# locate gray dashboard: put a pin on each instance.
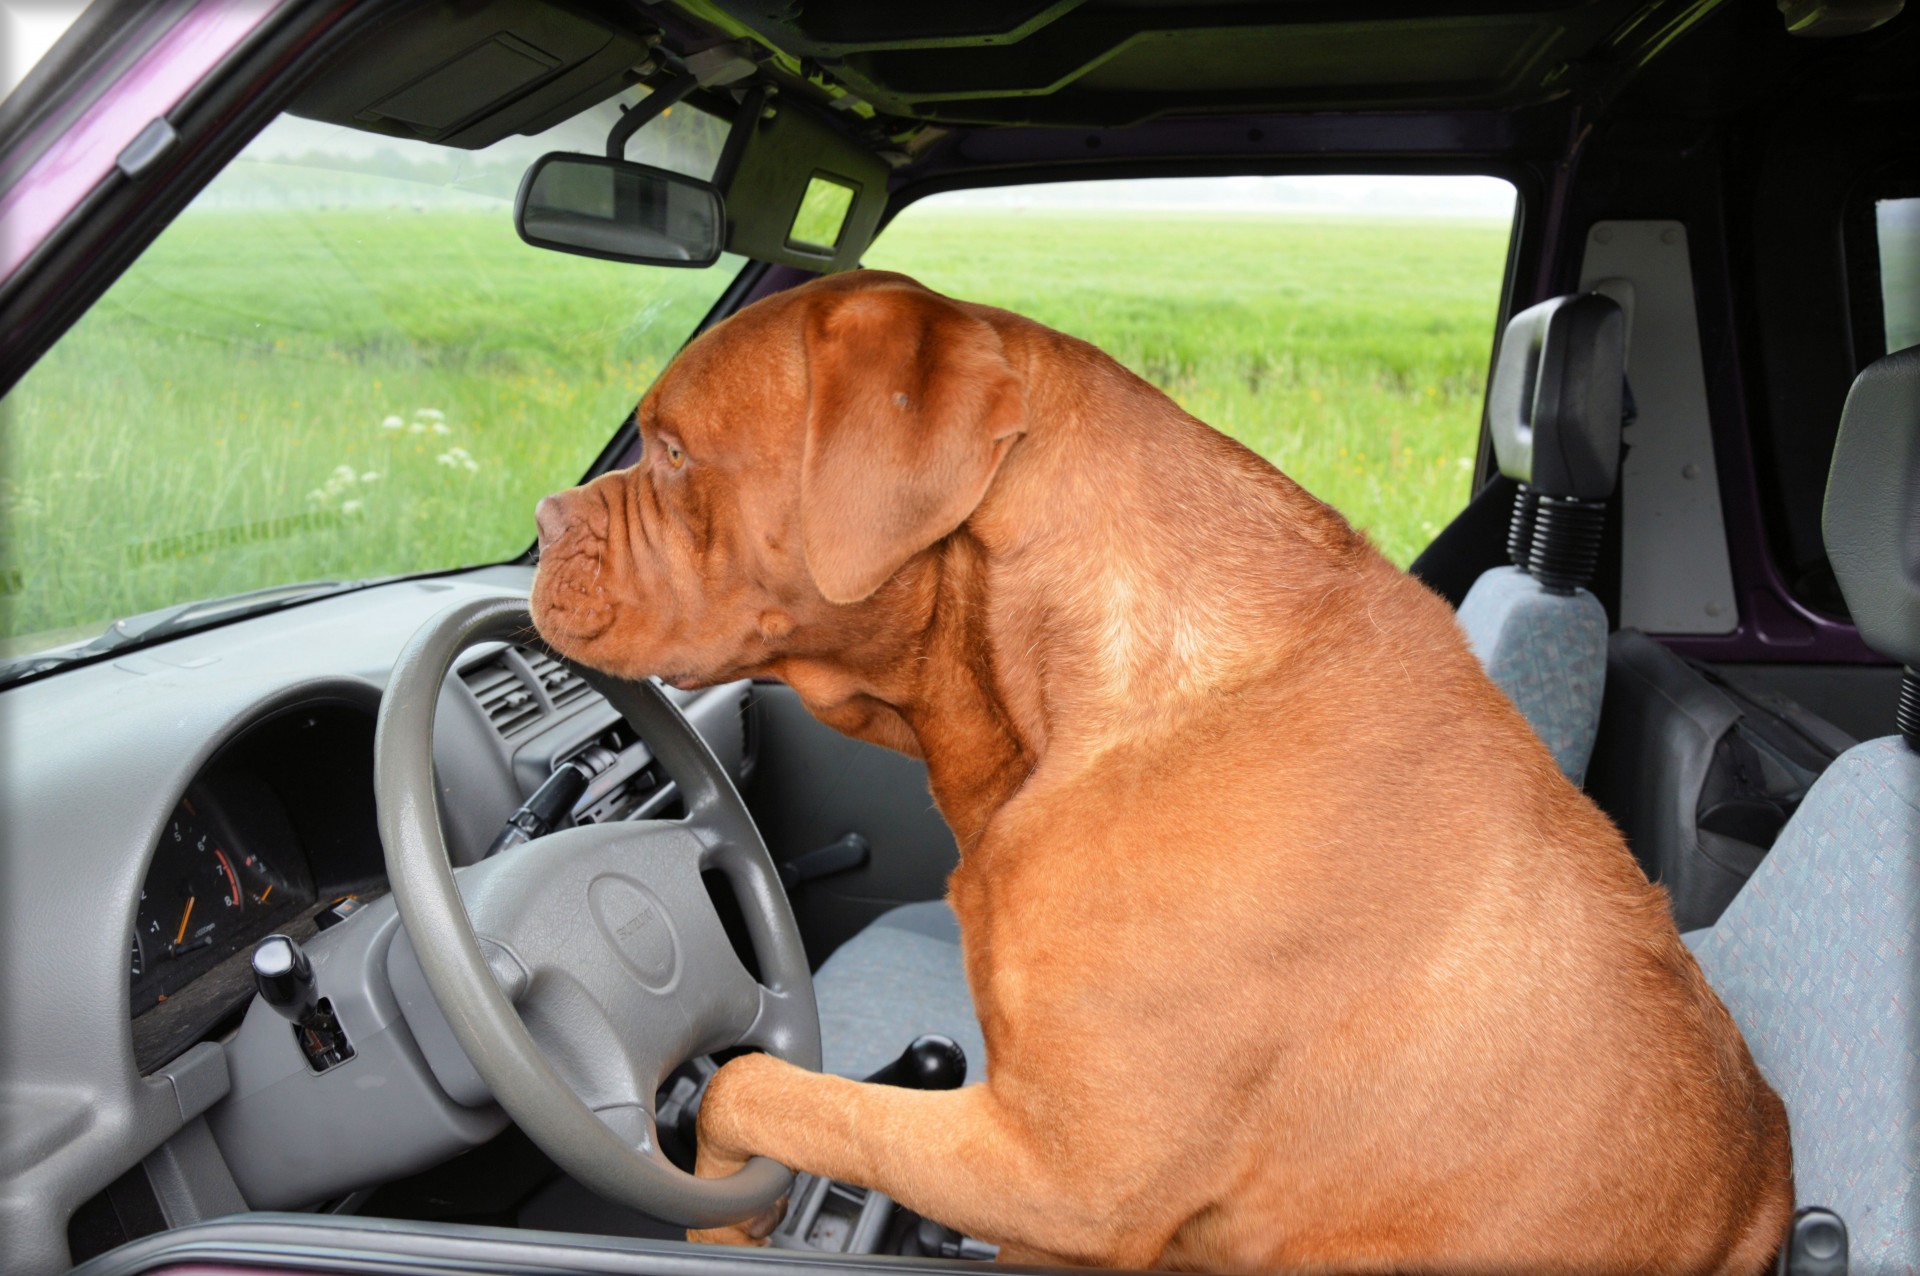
(95, 760)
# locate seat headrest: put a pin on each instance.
(1554, 407)
(1872, 515)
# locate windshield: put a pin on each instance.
(339, 362)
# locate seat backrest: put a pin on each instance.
(1815, 959)
(1817, 956)
(1548, 652)
(1554, 411)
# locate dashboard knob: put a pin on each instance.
(285, 978)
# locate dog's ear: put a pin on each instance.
(911, 406)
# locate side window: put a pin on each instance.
(1340, 327)
(1897, 230)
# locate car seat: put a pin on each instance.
(1815, 957)
(1554, 410)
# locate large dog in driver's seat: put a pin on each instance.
(1290, 943)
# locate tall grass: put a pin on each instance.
(272, 396)
(1352, 354)
(356, 393)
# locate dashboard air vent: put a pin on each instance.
(507, 701)
(563, 686)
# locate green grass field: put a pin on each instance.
(291, 395)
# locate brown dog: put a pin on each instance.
(1290, 944)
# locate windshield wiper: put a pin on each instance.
(149, 627)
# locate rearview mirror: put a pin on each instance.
(612, 209)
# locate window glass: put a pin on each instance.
(1341, 327)
(1897, 222)
(339, 362)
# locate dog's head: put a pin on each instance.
(793, 461)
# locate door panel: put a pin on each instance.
(811, 786)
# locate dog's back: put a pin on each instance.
(1405, 976)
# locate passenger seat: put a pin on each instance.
(1815, 956)
(1554, 410)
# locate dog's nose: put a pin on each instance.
(550, 519)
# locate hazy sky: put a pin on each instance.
(1398, 196)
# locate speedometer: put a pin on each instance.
(195, 896)
(208, 893)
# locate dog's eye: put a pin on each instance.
(675, 457)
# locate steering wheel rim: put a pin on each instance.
(614, 1151)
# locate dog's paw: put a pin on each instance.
(721, 1153)
(752, 1232)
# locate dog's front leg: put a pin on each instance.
(962, 1157)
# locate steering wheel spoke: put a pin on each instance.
(620, 966)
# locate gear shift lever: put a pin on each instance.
(284, 976)
(931, 1062)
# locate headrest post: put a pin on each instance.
(1520, 530)
(1906, 714)
(1566, 542)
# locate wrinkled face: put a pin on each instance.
(793, 460)
(677, 566)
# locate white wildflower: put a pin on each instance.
(416, 428)
(371, 476)
(344, 473)
(439, 428)
(446, 459)
(350, 507)
(430, 414)
(391, 423)
(471, 465)
(317, 496)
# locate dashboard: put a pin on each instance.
(168, 808)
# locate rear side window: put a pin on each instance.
(1339, 326)
(1897, 233)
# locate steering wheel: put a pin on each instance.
(604, 935)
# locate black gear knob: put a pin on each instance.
(285, 978)
(932, 1062)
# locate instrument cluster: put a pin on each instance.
(276, 833)
(209, 891)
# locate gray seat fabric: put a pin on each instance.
(899, 978)
(1815, 958)
(1548, 652)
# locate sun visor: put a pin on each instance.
(803, 194)
(469, 75)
